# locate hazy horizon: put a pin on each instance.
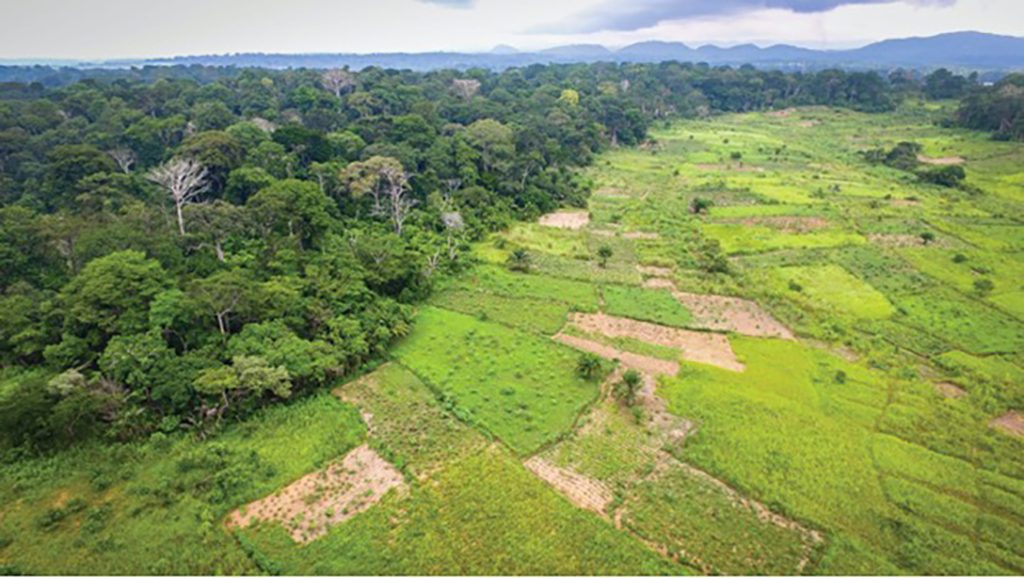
(93, 30)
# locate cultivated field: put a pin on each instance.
(824, 388)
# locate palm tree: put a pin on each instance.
(519, 260)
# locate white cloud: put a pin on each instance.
(131, 28)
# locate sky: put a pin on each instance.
(101, 29)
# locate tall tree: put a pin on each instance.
(184, 179)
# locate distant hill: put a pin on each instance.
(989, 53)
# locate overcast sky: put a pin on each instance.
(92, 29)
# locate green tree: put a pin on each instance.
(604, 253)
(588, 366)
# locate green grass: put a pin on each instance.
(836, 290)
(536, 315)
(501, 281)
(156, 508)
(485, 514)
(737, 239)
(975, 327)
(518, 386)
(654, 305)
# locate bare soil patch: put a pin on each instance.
(839, 349)
(950, 390)
(1012, 422)
(696, 346)
(659, 283)
(788, 224)
(782, 113)
(316, 501)
(808, 123)
(640, 235)
(566, 219)
(584, 491)
(906, 202)
(940, 160)
(628, 359)
(721, 313)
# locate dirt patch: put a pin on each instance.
(658, 283)
(313, 503)
(640, 235)
(652, 271)
(721, 313)
(1012, 422)
(781, 113)
(839, 349)
(628, 359)
(950, 390)
(566, 219)
(788, 224)
(698, 346)
(672, 428)
(808, 123)
(584, 491)
(940, 160)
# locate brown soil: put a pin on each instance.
(721, 313)
(313, 503)
(839, 349)
(788, 224)
(906, 202)
(940, 160)
(652, 271)
(950, 390)
(566, 219)
(696, 346)
(584, 491)
(671, 427)
(631, 360)
(1012, 422)
(658, 283)
(640, 235)
(782, 113)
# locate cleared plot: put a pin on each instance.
(581, 490)
(697, 346)
(557, 241)
(484, 515)
(655, 305)
(520, 387)
(720, 313)
(833, 287)
(316, 501)
(1011, 422)
(566, 219)
(637, 361)
(540, 316)
(757, 238)
(407, 423)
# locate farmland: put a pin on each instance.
(819, 374)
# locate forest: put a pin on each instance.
(182, 246)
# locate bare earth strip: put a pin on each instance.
(1012, 422)
(632, 360)
(950, 390)
(566, 220)
(584, 491)
(313, 503)
(940, 160)
(720, 313)
(653, 271)
(696, 346)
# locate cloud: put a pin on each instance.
(619, 15)
(451, 3)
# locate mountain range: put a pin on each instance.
(957, 50)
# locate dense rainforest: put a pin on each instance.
(181, 246)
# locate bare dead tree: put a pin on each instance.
(184, 179)
(466, 87)
(399, 203)
(124, 157)
(337, 80)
